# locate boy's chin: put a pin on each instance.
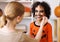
(39, 19)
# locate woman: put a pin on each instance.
(14, 12)
(41, 13)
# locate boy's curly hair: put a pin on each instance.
(44, 5)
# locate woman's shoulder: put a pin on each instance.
(20, 30)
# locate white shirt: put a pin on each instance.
(7, 36)
(16, 36)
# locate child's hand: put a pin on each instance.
(44, 21)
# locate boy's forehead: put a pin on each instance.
(39, 8)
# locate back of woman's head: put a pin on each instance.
(13, 9)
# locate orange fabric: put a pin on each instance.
(46, 34)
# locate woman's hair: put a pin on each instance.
(13, 9)
(1, 12)
(2, 19)
(46, 7)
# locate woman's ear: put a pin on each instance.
(19, 18)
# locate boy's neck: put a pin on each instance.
(37, 22)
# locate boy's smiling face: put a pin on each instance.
(39, 12)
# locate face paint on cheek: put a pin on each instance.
(41, 17)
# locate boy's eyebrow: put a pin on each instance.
(40, 10)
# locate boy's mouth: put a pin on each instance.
(39, 16)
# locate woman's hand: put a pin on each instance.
(44, 21)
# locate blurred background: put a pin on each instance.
(28, 17)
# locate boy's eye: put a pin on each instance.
(41, 11)
(36, 10)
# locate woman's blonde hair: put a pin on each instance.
(13, 9)
(2, 21)
(1, 12)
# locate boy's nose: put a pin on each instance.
(38, 13)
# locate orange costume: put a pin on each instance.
(46, 34)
